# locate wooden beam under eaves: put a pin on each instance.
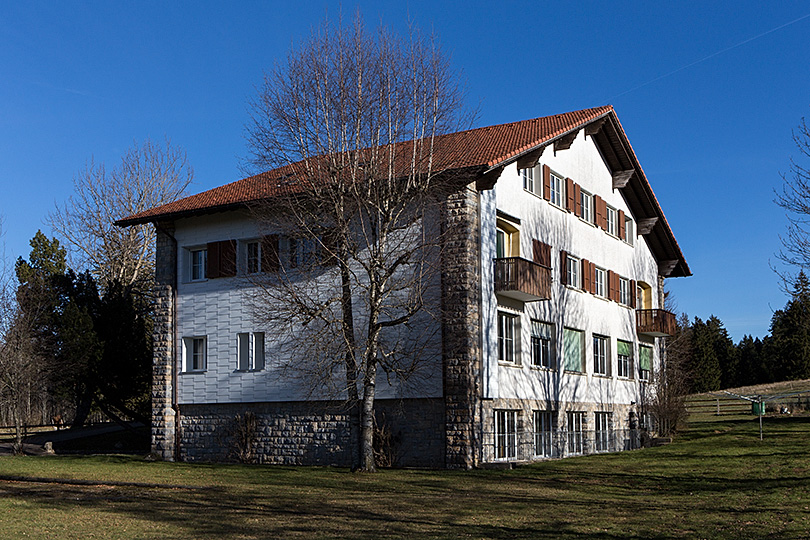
(530, 160)
(665, 268)
(487, 180)
(620, 178)
(594, 127)
(645, 225)
(565, 142)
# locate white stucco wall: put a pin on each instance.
(218, 310)
(568, 307)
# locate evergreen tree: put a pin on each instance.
(788, 349)
(705, 366)
(751, 362)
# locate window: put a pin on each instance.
(601, 364)
(612, 221)
(505, 434)
(507, 240)
(198, 263)
(573, 350)
(645, 356)
(624, 351)
(544, 433)
(586, 201)
(643, 295)
(507, 334)
(629, 234)
(624, 291)
(303, 252)
(576, 432)
(530, 183)
(250, 351)
(573, 268)
(542, 336)
(599, 277)
(253, 255)
(602, 431)
(194, 353)
(556, 195)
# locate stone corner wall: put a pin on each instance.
(461, 328)
(164, 422)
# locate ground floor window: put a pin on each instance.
(505, 434)
(544, 428)
(576, 432)
(194, 353)
(602, 431)
(542, 334)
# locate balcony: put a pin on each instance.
(522, 279)
(655, 322)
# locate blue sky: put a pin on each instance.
(708, 93)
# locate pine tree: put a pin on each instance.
(788, 349)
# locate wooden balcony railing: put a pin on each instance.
(522, 279)
(655, 322)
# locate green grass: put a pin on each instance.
(715, 481)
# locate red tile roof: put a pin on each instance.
(486, 147)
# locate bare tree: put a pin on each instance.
(795, 199)
(147, 176)
(351, 123)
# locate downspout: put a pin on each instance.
(480, 401)
(175, 392)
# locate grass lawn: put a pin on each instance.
(715, 481)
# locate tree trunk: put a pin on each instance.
(17, 447)
(367, 427)
(350, 363)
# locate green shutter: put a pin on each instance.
(624, 348)
(572, 350)
(645, 358)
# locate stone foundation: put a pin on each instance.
(313, 433)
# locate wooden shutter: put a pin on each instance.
(621, 224)
(586, 276)
(270, 259)
(221, 259)
(578, 200)
(546, 182)
(541, 253)
(611, 293)
(599, 211)
(633, 294)
(570, 201)
(212, 260)
(564, 267)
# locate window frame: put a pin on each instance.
(556, 195)
(531, 182)
(250, 351)
(603, 421)
(587, 213)
(611, 221)
(600, 282)
(575, 432)
(542, 346)
(195, 354)
(624, 368)
(645, 374)
(545, 424)
(569, 333)
(624, 291)
(601, 355)
(629, 234)
(253, 262)
(508, 345)
(505, 431)
(573, 271)
(198, 262)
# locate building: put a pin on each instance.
(554, 284)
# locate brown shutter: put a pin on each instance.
(270, 259)
(593, 278)
(586, 275)
(227, 260)
(541, 253)
(212, 268)
(600, 215)
(610, 292)
(570, 204)
(617, 293)
(564, 267)
(633, 293)
(621, 224)
(546, 182)
(578, 200)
